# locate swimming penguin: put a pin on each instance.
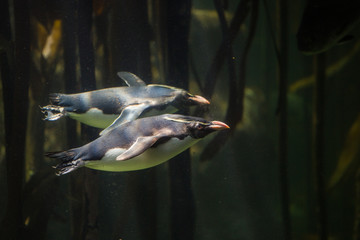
(139, 144)
(114, 106)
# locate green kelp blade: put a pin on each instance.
(348, 154)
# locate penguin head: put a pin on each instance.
(184, 98)
(198, 127)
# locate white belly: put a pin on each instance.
(150, 158)
(94, 117)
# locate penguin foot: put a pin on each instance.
(68, 163)
(52, 113)
(64, 168)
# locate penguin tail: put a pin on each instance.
(68, 164)
(56, 98)
(64, 100)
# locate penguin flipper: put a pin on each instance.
(140, 146)
(131, 79)
(128, 114)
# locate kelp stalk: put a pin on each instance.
(15, 90)
(318, 143)
(235, 109)
(87, 80)
(181, 196)
(240, 15)
(282, 115)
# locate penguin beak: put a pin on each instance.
(199, 99)
(217, 125)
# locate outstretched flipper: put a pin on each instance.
(52, 112)
(128, 114)
(68, 163)
(131, 79)
(140, 146)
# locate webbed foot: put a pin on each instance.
(52, 113)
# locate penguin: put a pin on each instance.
(139, 144)
(111, 107)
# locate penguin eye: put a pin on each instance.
(199, 126)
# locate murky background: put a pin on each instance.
(287, 169)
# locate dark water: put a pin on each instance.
(287, 169)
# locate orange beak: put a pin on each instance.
(199, 99)
(217, 125)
